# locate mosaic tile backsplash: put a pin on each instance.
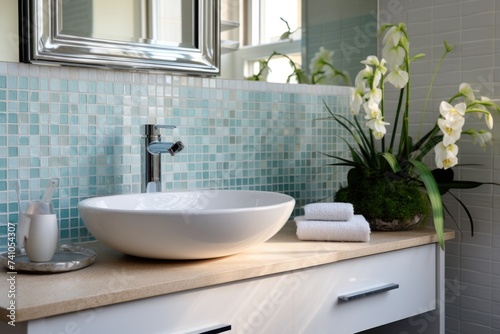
(82, 127)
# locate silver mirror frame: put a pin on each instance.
(40, 43)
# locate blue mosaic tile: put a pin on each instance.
(87, 135)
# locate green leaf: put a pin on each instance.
(468, 214)
(419, 56)
(339, 118)
(452, 218)
(445, 182)
(448, 47)
(396, 119)
(364, 147)
(354, 175)
(443, 177)
(355, 155)
(464, 184)
(342, 121)
(429, 145)
(393, 162)
(347, 162)
(364, 138)
(429, 134)
(286, 35)
(434, 197)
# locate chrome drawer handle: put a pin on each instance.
(213, 330)
(368, 292)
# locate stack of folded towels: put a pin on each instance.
(332, 222)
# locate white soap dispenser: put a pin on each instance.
(42, 228)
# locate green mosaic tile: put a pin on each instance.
(12, 82)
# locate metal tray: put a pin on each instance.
(68, 257)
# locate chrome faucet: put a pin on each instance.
(151, 149)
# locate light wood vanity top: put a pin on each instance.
(116, 278)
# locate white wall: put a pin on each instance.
(112, 19)
(472, 263)
(9, 36)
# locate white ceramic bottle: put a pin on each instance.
(43, 232)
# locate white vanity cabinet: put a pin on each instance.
(377, 289)
(281, 286)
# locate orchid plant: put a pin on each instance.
(321, 69)
(372, 156)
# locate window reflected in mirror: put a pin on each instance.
(282, 32)
(163, 22)
(264, 21)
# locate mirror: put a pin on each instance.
(348, 28)
(174, 35)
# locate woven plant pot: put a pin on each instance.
(377, 224)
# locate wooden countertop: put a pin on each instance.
(115, 278)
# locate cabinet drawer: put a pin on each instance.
(398, 285)
(260, 305)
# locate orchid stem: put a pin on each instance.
(394, 129)
(446, 51)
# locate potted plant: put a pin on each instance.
(390, 176)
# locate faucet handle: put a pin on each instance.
(160, 126)
(154, 129)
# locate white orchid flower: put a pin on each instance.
(393, 36)
(488, 104)
(397, 77)
(382, 66)
(481, 137)
(379, 65)
(452, 113)
(377, 68)
(378, 135)
(371, 60)
(446, 155)
(484, 106)
(377, 76)
(478, 114)
(451, 130)
(363, 75)
(453, 121)
(374, 95)
(372, 110)
(380, 70)
(328, 72)
(320, 58)
(484, 103)
(489, 120)
(466, 90)
(356, 100)
(445, 108)
(394, 55)
(377, 125)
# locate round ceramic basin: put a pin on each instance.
(186, 224)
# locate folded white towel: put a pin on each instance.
(329, 211)
(356, 229)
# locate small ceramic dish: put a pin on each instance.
(68, 257)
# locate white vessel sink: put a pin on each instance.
(186, 224)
